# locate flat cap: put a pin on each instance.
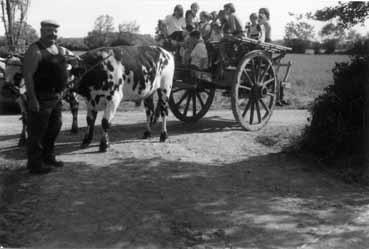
(50, 22)
(230, 6)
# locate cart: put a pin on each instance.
(251, 79)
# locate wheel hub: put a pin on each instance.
(258, 91)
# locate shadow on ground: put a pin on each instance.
(68, 142)
(272, 201)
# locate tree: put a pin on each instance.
(298, 34)
(104, 24)
(332, 35)
(345, 14)
(299, 29)
(126, 33)
(14, 13)
(131, 27)
(102, 32)
(28, 33)
(332, 31)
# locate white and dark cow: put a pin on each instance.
(110, 75)
(14, 82)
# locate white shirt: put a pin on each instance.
(199, 56)
(174, 24)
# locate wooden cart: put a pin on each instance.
(251, 78)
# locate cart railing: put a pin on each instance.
(266, 45)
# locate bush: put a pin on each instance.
(74, 44)
(359, 47)
(316, 46)
(330, 45)
(298, 46)
(339, 124)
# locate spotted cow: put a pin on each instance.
(112, 74)
(14, 83)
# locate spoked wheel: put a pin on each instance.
(254, 91)
(189, 103)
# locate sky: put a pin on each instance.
(77, 17)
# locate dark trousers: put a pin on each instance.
(43, 128)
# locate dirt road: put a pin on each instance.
(211, 185)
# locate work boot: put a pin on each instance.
(53, 162)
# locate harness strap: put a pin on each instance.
(78, 81)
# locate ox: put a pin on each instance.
(112, 74)
(14, 82)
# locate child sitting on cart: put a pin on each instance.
(264, 16)
(199, 54)
(253, 28)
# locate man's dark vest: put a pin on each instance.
(51, 75)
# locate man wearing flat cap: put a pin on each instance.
(45, 73)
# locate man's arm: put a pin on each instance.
(30, 64)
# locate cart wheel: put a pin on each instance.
(189, 103)
(254, 91)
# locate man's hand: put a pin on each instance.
(33, 105)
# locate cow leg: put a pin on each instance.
(149, 108)
(109, 113)
(104, 142)
(23, 136)
(73, 103)
(163, 111)
(22, 102)
(91, 118)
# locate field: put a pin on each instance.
(310, 74)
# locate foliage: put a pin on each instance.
(298, 46)
(14, 13)
(299, 29)
(97, 39)
(330, 45)
(340, 115)
(360, 46)
(28, 33)
(332, 31)
(339, 124)
(131, 27)
(101, 35)
(316, 46)
(94, 40)
(74, 44)
(104, 24)
(346, 14)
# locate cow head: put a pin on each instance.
(13, 71)
(13, 76)
(97, 67)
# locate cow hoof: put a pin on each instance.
(103, 146)
(163, 136)
(146, 135)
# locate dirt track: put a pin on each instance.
(211, 185)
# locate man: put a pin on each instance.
(45, 73)
(232, 25)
